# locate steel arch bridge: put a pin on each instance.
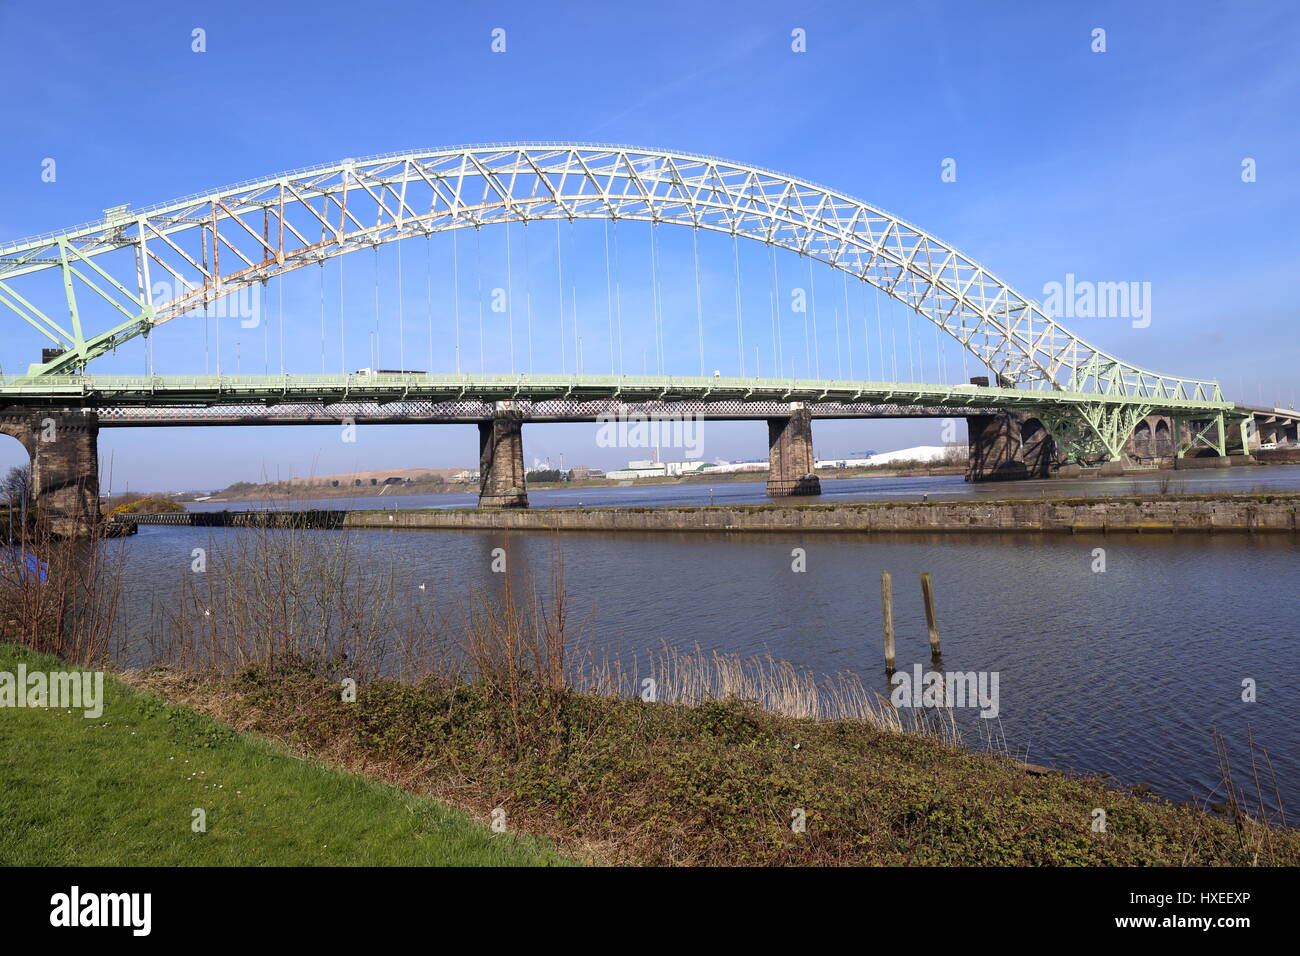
(216, 243)
(213, 244)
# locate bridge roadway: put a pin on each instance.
(1007, 427)
(562, 397)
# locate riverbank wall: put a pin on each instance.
(1142, 514)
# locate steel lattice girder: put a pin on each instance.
(92, 391)
(212, 244)
(1204, 432)
(464, 412)
(1090, 431)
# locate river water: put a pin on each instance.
(1124, 671)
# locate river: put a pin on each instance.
(1124, 671)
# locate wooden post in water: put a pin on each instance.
(927, 592)
(887, 618)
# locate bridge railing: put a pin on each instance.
(216, 389)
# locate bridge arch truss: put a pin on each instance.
(210, 245)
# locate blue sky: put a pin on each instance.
(1117, 166)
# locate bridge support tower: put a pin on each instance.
(501, 461)
(63, 445)
(790, 453)
(1008, 446)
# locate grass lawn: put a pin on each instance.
(121, 790)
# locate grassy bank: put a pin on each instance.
(507, 702)
(720, 782)
(121, 790)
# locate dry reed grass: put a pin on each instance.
(272, 597)
(60, 596)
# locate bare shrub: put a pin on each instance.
(61, 596)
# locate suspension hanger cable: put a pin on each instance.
(455, 288)
(920, 350)
(401, 311)
(577, 339)
(907, 316)
(322, 316)
(938, 355)
(528, 294)
(573, 290)
(777, 358)
(618, 299)
(559, 270)
(866, 325)
(699, 307)
(654, 303)
(839, 356)
(343, 358)
(848, 323)
(740, 325)
(376, 345)
(478, 271)
(428, 292)
(880, 339)
(510, 301)
(965, 368)
(609, 301)
(866, 335)
(655, 297)
(216, 328)
(809, 359)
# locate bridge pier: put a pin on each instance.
(790, 454)
(1153, 442)
(501, 461)
(1008, 446)
(63, 445)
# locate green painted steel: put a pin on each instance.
(209, 245)
(1112, 419)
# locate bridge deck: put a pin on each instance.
(418, 396)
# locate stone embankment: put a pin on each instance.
(1156, 514)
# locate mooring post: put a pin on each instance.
(927, 592)
(887, 618)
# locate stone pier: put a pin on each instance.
(790, 452)
(1153, 442)
(501, 461)
(63, 445)
(1008, 446)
